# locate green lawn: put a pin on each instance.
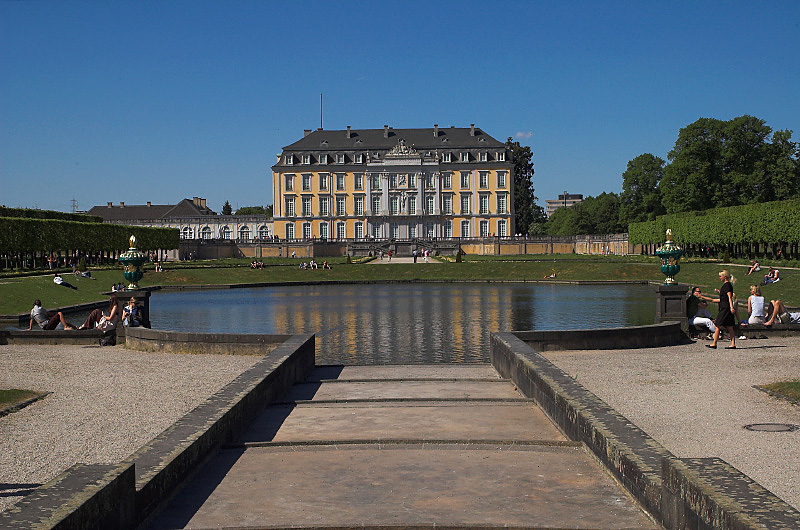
(17, 293)
(787, 389)
(14, 397)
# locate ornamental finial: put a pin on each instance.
(132, 241)
(669, 235)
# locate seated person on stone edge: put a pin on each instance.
(697, 310)
(777, 311)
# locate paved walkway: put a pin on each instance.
(403, 446)
(696, 401)
(402, 259)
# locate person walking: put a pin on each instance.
(725, 317)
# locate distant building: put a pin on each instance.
(394, 184)
(564, 200)
(192, 218)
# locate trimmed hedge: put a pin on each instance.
(769, 222)
(46, 235)
(48, 214)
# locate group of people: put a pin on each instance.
(728, 317)
(314, 265)
(424, 253)
(772, 276)
(130, 315)
(117, 287)
(255, 264)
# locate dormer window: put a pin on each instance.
(359, 159)
(306, 159)
(501, 156)
(340, 158)
(484, 157)
(323, 159)
(465, 157)
(288, 160)
(446, 157)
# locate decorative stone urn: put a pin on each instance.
(133, 260)
(670, 255)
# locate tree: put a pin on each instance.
(641, 194)
(526, 211)
(226, 208)
(595, 215)
(781, 168)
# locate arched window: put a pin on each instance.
(187, 232)
(263, 232)
(244, 232)
(225, 232)
(205, 232)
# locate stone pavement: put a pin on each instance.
(403, 446)
(403, 259)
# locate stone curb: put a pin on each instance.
(655, 335)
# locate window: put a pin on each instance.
(306, 159)
(501, 156)
(306, 182)
(501, 179)
(412, 206)
(306, 230)
(447, 205)
(289, 160)
(289, 230)
(340, 158)
(323, 230)
(359, 203)
(323, 159)
(483, 179)
(412, 180)
(465, 200)
(465, 157)
(393, 181)
(446, 157)
(225, 232)
(447, 229)
(394, 205)
(484, 228)
(244, 232)
(205, 233)
(429, 204)
(430, 230)
(263, 232)
(376, 181)
(376, 231)
(394, 230)
(359, 159)
(429, 181)
(323, 181)
(484, 206)
(340, 205)
(341, 230)
(412, 231)
(484, 157)
(289, 207)
(359, 181)
(340, 182)
(502, 204)
(376, 205)
(323, 207)
(464, 228)
(501, 228)
(306, 206)
(187, 233)
(447, 181)
(465, 180)
(289, 182)
(359, 230)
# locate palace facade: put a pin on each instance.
(394, 184)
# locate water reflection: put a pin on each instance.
(403, 323)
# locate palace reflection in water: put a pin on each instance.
(403, 323)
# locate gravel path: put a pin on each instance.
(695, 401)
(105, 404)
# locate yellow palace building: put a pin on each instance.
(394, 184)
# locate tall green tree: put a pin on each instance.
(227, 209)
(781, 168)
(641, 194)
(595, 215)
(526, 211)
(255, 210)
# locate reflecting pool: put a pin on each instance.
(403, 323)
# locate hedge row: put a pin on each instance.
(769, 222)
(48, 214)
(47, 235)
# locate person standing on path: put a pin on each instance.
(415, 255)
(725, 316)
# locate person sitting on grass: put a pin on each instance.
(774, 275)
(781, 314)
(754, 267)
(45, 321)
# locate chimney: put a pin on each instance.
(148, 204)
(348, 131)
(196, 201)
(121, 204)
(109, 205)
(306, 132)
(436, 130)
(386, 131)
(203, 203)
(472, 129)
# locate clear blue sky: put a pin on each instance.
(157, 101)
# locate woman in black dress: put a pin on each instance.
(725, 317)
